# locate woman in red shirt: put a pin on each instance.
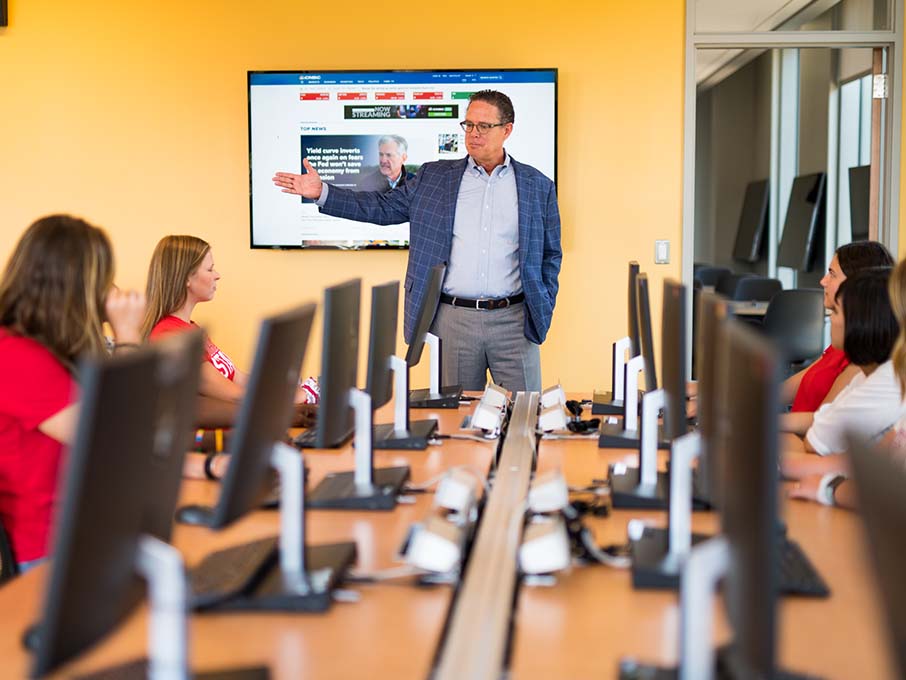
(181, 275)
(55, 295)
(823, 380)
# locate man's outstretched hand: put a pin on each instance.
(307, 186)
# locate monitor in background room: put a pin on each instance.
(803, 227)
(383, 366)
(93, 583)
(859, 201)
(341, 120)
(753, 222)
(437, 395)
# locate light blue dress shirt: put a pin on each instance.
(484, 259)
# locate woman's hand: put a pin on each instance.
(125, 312)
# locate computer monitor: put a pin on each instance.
(612, 402)
(712, 313)
(753, 222)
(265, 414)
(339, 363)
(880, 479)
(804, 223)
(859, 201)
(646, 336)
(93, 584)
(633, 311)
(177, 378)
(345, 409)
(383, 366)
(673, 358)
(437, 395)
(751, 377)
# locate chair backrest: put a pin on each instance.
(709, 276)
(757, 289)
(795, 321)
(8, 567)
(726, 284)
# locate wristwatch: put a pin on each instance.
(827, 486)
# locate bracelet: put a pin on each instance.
(209, 466)
(827, 486)
(199, 439)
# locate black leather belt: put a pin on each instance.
(498, 303)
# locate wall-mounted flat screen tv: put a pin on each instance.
(357, 128)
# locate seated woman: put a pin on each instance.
(55, 295)
(824, 479)
(824, 379)
(181, 275)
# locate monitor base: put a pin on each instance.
(447, 398)
(652, 566)
(327, 563)
(384, 436)
(139, 670)
(724, 670)
(338, 490)
(613, 436)
(625, 491)
(603, 404)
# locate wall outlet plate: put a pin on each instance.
(662, 252)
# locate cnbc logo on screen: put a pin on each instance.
(401, 111)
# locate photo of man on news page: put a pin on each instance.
(361, 162)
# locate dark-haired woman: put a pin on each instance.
(823, 380)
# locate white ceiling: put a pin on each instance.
(730, 16)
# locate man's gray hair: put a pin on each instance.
(401, 144)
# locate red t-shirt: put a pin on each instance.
(818, 380)
(33, 387)
(212, 353)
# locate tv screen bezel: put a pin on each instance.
(336, 246)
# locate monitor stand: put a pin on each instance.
(366, 487)
(641, 487)
(436, 396)
(162, 567)
(305, 576)
(658, 555)
(625, 435)
(611, 403)
(402, 433)
(705, 566)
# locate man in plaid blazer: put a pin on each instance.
(496, 224)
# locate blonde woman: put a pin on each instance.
(182, 275)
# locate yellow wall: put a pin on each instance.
(133, 115)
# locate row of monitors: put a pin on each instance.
(144, 404)
(804, 223)
(738, 469)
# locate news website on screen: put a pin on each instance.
(372, 131)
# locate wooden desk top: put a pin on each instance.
(395, 627)
(592, 618)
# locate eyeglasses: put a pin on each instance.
(483, 128)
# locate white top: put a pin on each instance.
(868, 405)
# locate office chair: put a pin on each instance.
(726, 284)
(709, 276)
(757, 289)
(8, 567)
(795, 322)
